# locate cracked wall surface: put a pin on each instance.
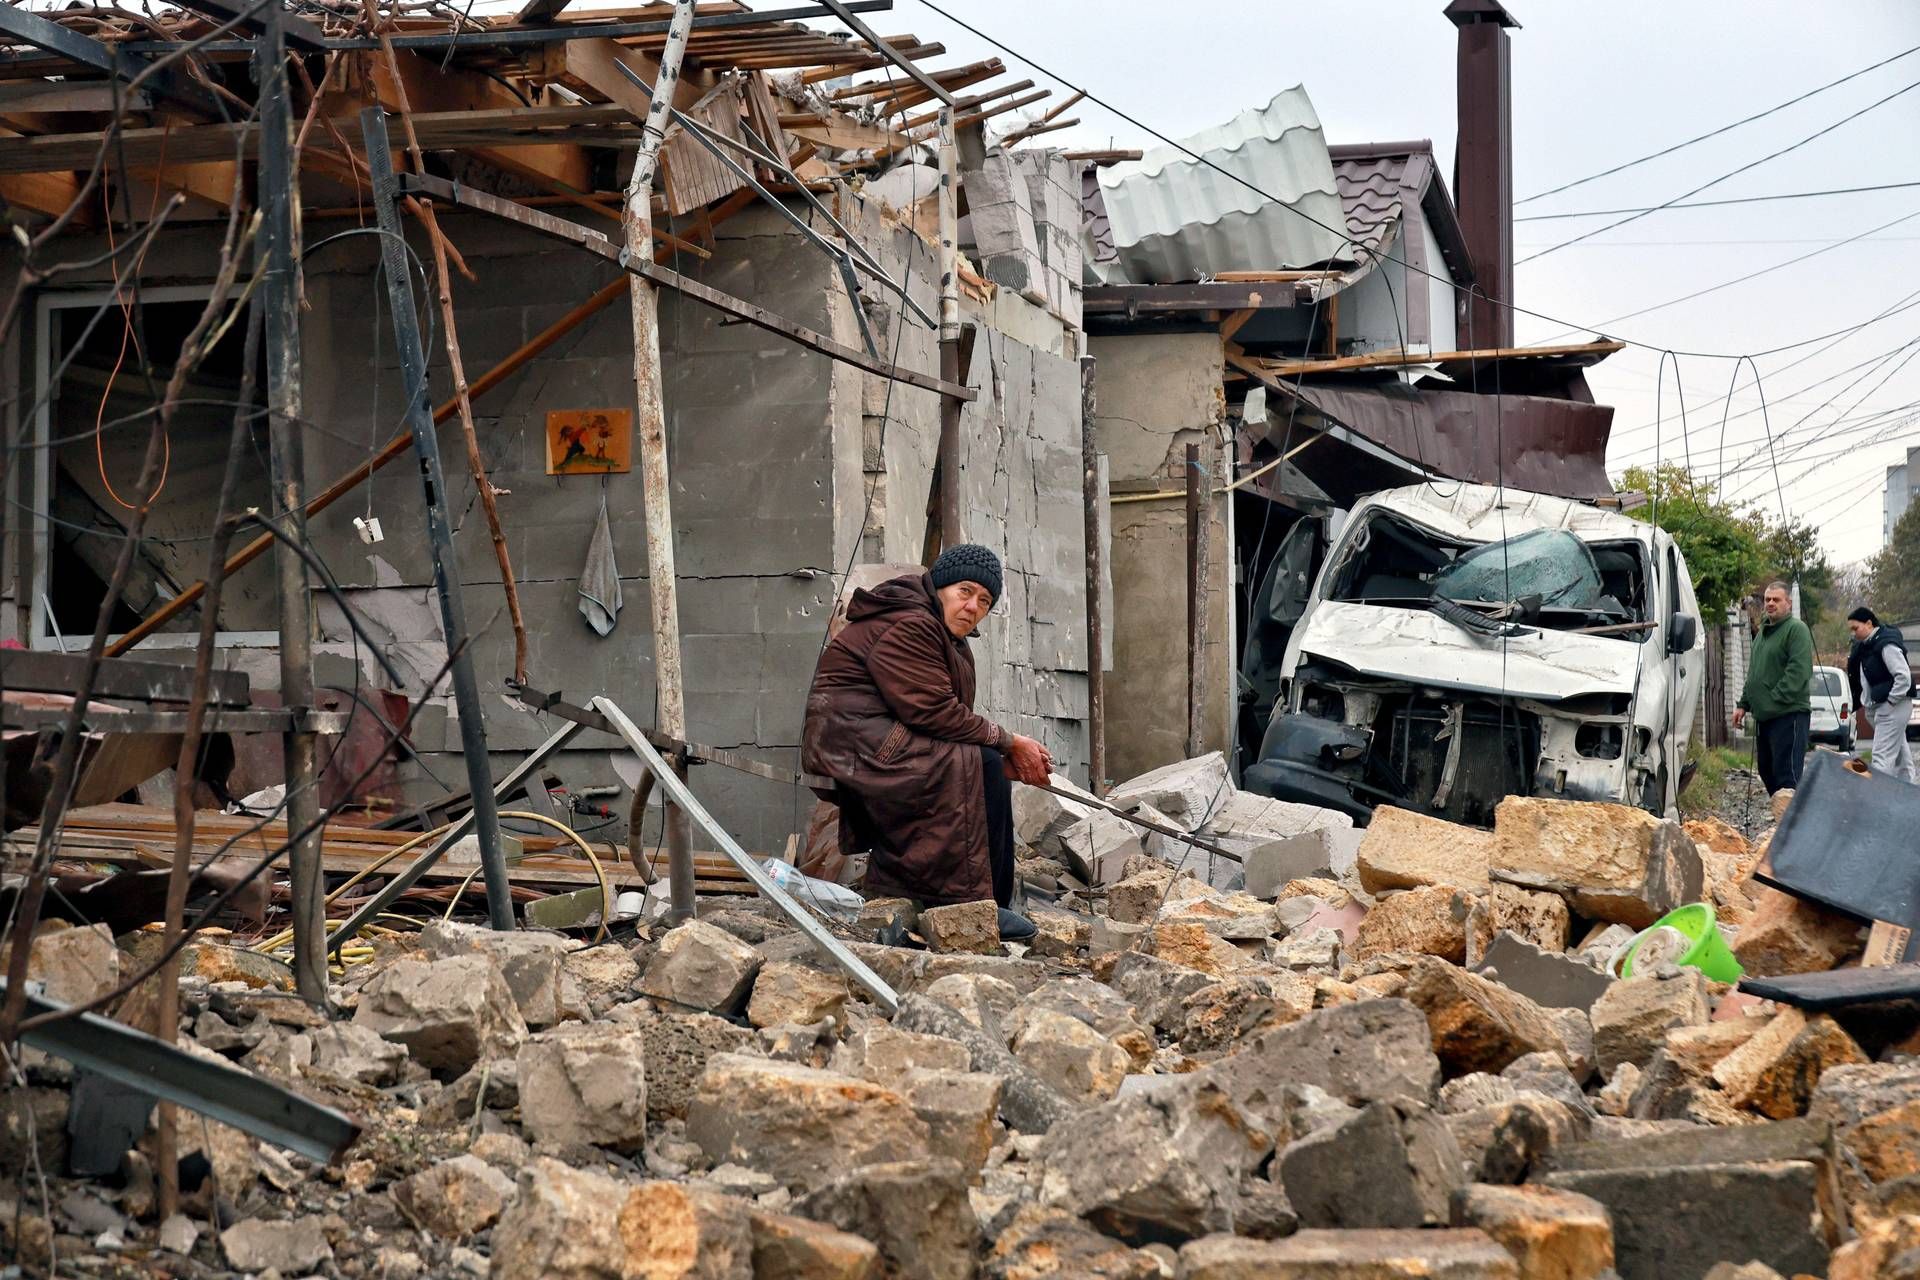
(1157, 394)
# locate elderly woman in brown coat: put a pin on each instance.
(921, 781)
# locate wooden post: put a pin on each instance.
(948, 457)
(658, 495)
(1196, 574)
(1096, 629)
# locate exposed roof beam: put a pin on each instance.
(908, 67)
(300, 33)
(20, 26)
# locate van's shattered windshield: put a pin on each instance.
(1543, 577)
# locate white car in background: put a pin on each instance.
(1832, 721)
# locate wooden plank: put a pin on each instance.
(596, 243)
(763, 114)
(107, 719)
(1147, 299)
(36, 671)
(431, 88)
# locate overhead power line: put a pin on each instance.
(1752, 164)
(1721, 204)
(1714, 133)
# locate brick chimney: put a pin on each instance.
(1483, 165)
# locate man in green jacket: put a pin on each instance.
(1777, 696)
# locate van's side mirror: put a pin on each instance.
(1682, 630)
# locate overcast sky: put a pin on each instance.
(1594, 85)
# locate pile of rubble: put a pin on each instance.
(1390, 1052)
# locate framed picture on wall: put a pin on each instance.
(589, 442)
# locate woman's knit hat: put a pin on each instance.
(968, 562)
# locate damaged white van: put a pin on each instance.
(1459, 644)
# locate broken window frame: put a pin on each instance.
(40, 632)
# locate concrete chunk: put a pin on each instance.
(1350, 1255)
(1776, 1071)
(1611, 862)
(456, 1197)
(1189, 792)
(77, 964)
(969, 927)
(1405, 850)
(802, 1125)
(533, 964)
(1366, 1051)
(1478, 1025)
(1788, 935)
(585, 1084)
(1631, 1020)
(1553, 1235)
(1549, 979)
(703, 968)
(1429, 921)
(788, 992)
(1393, 1165)
(448, 1013)
(916, 1212)
(789, 1248)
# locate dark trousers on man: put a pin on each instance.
(999, 789)
(1780, 750)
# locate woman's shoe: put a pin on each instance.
(1015, 927)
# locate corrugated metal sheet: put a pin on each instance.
(1176, 219)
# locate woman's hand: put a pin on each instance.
(1028, 761)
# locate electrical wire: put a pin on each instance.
(1714, 133)
(1722, 204)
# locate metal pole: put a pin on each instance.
(948, 456)
(1196, 552)
(1096, 626)
(280, 296)
(657, 492)
(446, 569)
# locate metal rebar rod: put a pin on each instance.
(446, 568)
(1196, 551)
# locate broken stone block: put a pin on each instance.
(1549, 979)
(960, 1109)
(1886, 1250)
(585, 1084)
(1472, 1091)
(1314, 951)
(1099, 846)
(1040, 1243)
(702, 968)
(677, 1048)
(1068, 1054)
(1156, 988)
(1350, 1255)
(1428, 921)
(293, 1245)
(789, 1248)
(1059, 935)
(1162, 1163)
(1478, 1025)
(1222, 1014)
(800, 1124)
(562, 1224)
(604, 975)
(1787, 935)
(355, 1052)
(533, 963)
(671, 1231)
(1553, 1235)
(1110, 936)
(1099, 1006)
(1633, 1018)
(1040, 817)
(982, 1000)
(456, 1197)
(1139, 897)
(916, 1212)
(448, 1013)
(1547, 1074)
(1776, 1070)
(1393, 1165)
(77, 964)
(1237, 917)
(1541, 919)
(886, 1055)
(1188, 792)
(786, 992)
(969, 927)
(1506, 1142)
(1405, 850)
(1367, 1051)
(1670, 1091)
(1670, 1197)
(1193, 946)
(1610, 861)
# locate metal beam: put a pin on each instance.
(299, 33)
(101, 719)
(678, 794)
(596, 243)
(20, 26)
(250, 1103)
(908, 67)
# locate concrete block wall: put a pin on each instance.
(1053, 194)
(1157, 394)
(1001, 218)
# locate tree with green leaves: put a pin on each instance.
(1793, 551)
(1724, 544)
(1894, 581)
